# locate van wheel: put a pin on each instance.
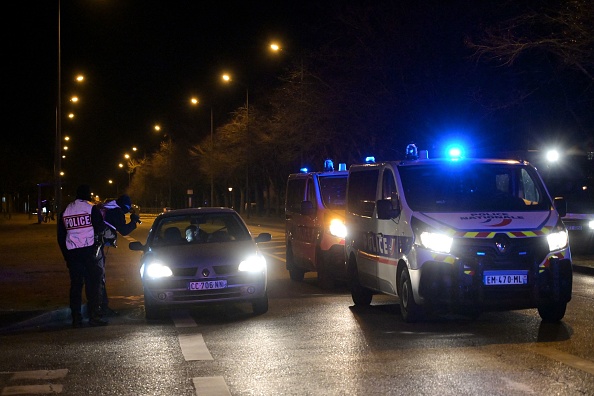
(411, 312)
(295, 273)
(552, 312)
(360, 294)
(325, 278)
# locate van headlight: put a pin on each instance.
(255, 263)
(337, 228)
(557, 240)
(591, 224)
(436, 242)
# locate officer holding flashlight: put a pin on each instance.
(115, 218)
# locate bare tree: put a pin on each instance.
(563, 29)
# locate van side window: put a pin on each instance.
(361, 192)
(311, 193)
(388, 185)
(295, 194)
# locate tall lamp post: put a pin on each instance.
(227, 79)
(157, 128)
(57, 151)
(195, 101)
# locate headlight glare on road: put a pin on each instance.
(255, 263)
(158, 270)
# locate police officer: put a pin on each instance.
(78, 227)
(115, 219)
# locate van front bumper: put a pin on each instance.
(461, 282)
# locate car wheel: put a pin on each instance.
(260, 306)
(151, 311)
(552, 312)
(360, 294)
(409, 309)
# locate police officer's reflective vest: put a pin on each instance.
(79, 228)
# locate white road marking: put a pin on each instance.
(39, 374)
(211, 386)
(47, 389)
(182, 319)
(43, 389)
(193, 347)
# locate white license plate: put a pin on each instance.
(491, 278)
(574, 228)
(208, 285)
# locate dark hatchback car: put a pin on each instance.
(202, 256)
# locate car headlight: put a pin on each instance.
(255, 263)
(591, 224)
(338, 228)
(557, 240)
(158, 270)
(436, 242)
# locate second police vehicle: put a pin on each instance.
(457, 234)
(314, 224)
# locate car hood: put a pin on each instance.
(224, 253)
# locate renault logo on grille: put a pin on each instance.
(502, 243)
(205, 272)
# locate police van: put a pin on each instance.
(456, 234)
(314, 224)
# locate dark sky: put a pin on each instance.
(142, 61)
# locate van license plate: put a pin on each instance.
(493, 278)
(208, 285)
(574, 227)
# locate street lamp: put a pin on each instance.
(157, 128)
(195, 101)
(227, 79)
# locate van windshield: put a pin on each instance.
(333, 191)
(470, 186)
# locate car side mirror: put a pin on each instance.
(386, 209)
(307, 208)
(138, 246)
(263, 237)
(561, 206)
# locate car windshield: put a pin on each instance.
(333, 191)
(470, 186)
(200, 228)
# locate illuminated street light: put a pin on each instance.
(227, 79)
(195, 101)
(275, 47)
(157, 128)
